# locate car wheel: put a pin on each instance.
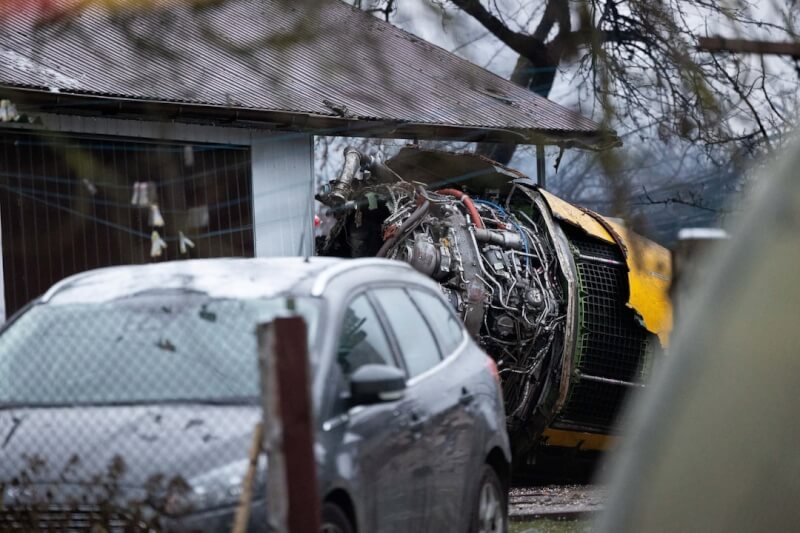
(334, 520)
(490, 510)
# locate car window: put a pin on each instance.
(447, 327)
(161, 346)
(362, 340)
(417, 344)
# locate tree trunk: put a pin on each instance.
(537, 78)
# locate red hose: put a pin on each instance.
(467, 201)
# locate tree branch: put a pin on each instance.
(737, 88)
(525, 45)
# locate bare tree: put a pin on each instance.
(635, 62)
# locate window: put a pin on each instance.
(362, 341)
(414, 336)
(161, 346)
(444, 323)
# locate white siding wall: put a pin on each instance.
(2, 280)
(282, 169)
(282, 195)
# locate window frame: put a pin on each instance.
(410, 380)
(383, 324)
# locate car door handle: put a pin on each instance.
(466, 397)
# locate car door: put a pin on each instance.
(457, 433)
(378, 441)
(421, 356)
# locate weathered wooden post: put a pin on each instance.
(292, 496)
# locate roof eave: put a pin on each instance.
(31, 100)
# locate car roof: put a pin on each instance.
(219, 278)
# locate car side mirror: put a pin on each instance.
(376, 383)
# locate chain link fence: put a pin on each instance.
(73, 203)
(133, 413)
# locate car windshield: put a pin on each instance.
(150, 348)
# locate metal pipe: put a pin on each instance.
(480, 261)
(506, 239)
(541, 178)
(407, 226)
(601, 260)
(352, 165)
(609, 381)
(467, 201)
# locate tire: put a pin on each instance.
(490, 507)
(334, 520)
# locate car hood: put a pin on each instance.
(140, 448)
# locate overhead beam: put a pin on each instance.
(745, 46)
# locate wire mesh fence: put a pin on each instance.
(77, 202)
(134, 413)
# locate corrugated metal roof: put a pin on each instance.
(321, 59)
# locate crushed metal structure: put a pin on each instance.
(571, 305)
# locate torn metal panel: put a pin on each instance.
(439, 168)
(578, 217)
(649, 264)
(649, 277)
(578, 439)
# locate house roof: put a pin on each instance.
(316, 66)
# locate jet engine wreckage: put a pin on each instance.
(571, 305)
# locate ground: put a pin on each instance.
(550, 525)
(554, 508)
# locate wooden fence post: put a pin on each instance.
(292, 496)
